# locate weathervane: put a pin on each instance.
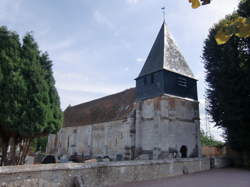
(163, 12)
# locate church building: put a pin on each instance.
(158, 119)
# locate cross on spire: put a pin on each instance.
(163, 12)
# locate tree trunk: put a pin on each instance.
(5, 144)
(12, 150)
(14, 157)
(24, 149)
(21, 146)
(1, 150)
(19, 152)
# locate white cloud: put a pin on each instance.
(76, 88)
(70, 57)
(73, 97)
(61, 45)
(81, 92)
(126, 69)
(9, 10)
(140, 60)
(102, 88)
(133, 1)
(103, 19)
(78, 82)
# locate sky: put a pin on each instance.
(99, 47)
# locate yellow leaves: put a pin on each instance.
(221, 37)
(244, 28)
(195, 3)
(238, 26)
(198, 3)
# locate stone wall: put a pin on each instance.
(220, 162)
(103, 139)
(98, 174)
(165, 124)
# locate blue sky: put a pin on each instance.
(98, 47)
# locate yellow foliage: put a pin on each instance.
(239, 27)
(243, 28)
(221, 37)
(195, 3)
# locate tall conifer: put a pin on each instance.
(29, 103)
(228, 78)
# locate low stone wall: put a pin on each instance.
(98, 174)
(221, 162)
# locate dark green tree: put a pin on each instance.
(228, 79)
(29, 102)
(12, 88)
(55, 114)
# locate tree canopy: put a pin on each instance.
(239, 25)
(30, 105)
(228, 79)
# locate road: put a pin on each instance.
(212, 178)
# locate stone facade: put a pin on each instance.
(164, 124)
(103, 139)
(156, 128)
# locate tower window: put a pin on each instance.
(145, 80)
(182, 81)
(152, 78)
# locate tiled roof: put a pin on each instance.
(110, 108)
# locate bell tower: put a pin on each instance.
(165, 71)
(167, 107)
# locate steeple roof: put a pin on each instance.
(165, 55)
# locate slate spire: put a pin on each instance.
(165, 55)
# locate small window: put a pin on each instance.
(152, 78)
(145, 80)
(183, 151)
(182, 81)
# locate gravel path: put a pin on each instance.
(212, 178)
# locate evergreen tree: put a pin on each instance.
(29, 101)
(55, 114)
(228, 78)
(12, 88)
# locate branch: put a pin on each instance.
(239, 26)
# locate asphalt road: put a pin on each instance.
(212, 178)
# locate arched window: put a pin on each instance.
(183, 151)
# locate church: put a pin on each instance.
(158, 119)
